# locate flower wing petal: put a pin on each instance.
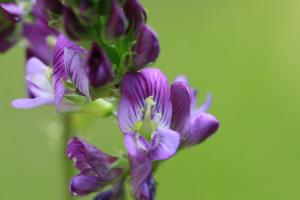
(181, 98)
(164, 144)
(202, 126)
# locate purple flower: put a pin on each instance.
(116, 24)
(12, 11)
(99, 68)
(135, 12)
(39, 86)
(72, 25)
(144, 115)
(146, 48)
(95, 167)
(193, 124)
(54, 6)
(68, 62)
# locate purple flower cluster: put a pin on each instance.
(104, 54)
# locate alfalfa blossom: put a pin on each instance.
(39, 85)
(194, 124)
(144, 115)
(96, 167)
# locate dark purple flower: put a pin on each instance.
(146, 48)
(115, 193)
(144, 115)
(11, 11)
(193, 124)
(116, 24)
(135, 12)
(8, 37)
(68, 63)
(72, 25)
(54, 6)
(39, 86)
(99, 68)
(95, 167)
(142, 182)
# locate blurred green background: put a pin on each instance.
(246, 53)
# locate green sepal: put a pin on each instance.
(99, 108)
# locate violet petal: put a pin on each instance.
(99, 67)
(181, 97)
(75, 67)
(116, 24)
(146, 47)
(135, 89)
(89, 159)
(164, 144)
(202, 126)
(83, 185)
(142, 182)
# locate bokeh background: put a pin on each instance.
(246, 53)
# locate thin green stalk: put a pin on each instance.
(66, 164)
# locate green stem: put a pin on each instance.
(66, 164)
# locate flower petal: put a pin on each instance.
(12, 11)
(59, 71)
(89, 159)
(83, 185)
(181, 97)
(202, 126)
(135, 12)
(75, 67)
(135, 89)
(99, 67)
(164, 144)
(142, 181)
(27, 103)
(116, 24)
(146, 48)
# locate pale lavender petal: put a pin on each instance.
(12, 11)
(89, 159)
(182, 79)
(135, 89)
(202, 126)
(27, 103)
(82, 185)
(35, 66)
(164, 144)
(75, 67)
(142, 182)
(181, 98)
